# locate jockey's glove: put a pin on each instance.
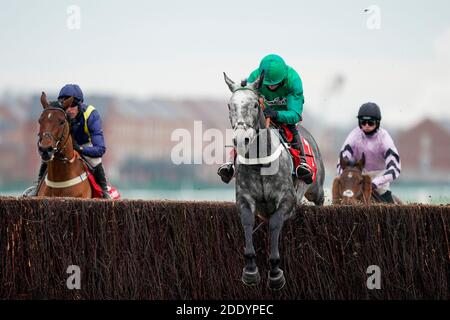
(270, 113)
(77, 147)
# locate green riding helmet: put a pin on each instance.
(275, 69)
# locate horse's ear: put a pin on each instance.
(360, 164)
(233, 87)
(343, 162)
(67, 103)
(258, 82)
(44, 101)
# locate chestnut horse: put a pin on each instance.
(353, 186)
(66, 175)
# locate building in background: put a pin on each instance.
(138, 136)
(425, 152)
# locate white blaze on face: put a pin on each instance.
(348, 193)
(243, 116)
(239, 135)
(243, 138)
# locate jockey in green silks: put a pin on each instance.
(282, 91)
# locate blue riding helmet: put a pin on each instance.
(71, 90)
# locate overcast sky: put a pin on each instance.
(180, 48)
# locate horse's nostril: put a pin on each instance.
(45, 149)
(246, 141)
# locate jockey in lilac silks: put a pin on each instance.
(382, 158)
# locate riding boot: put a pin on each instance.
(387, 197)
(226, 171)
(32, 191)
(100, 178)
(303, 171)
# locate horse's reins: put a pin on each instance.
(377, 196)
(360, 191)
(268, 121)
(71, 182)
(263, 107)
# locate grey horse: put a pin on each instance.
(264, 181)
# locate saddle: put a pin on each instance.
(96, 189)
(288, 136)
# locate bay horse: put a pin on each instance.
(264, 182)
(354, 186)
(66, 175)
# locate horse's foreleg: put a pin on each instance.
(276, 276)
(250, 274)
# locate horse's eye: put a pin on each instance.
(228, 106)
(61, 122)
(256, 105)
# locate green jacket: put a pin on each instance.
(287, 100)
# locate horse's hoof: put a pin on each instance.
(250, 278)
(277, 283)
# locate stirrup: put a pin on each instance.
(226, 172)
(105, 192)
(31, 191)
(106, 195)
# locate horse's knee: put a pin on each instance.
(276, 221)
(320, 199)
(246, 214)
(247, 218)
(282, 213)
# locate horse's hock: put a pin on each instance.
(193, 250)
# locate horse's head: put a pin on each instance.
(245, 113)
(352, 186)
(53, 128)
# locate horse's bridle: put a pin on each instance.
(243, 125)
(360, 191)
(260, 111)
(57, 142)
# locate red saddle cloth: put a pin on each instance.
(97, 190)
(309, 154)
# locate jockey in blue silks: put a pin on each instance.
(87, 136)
